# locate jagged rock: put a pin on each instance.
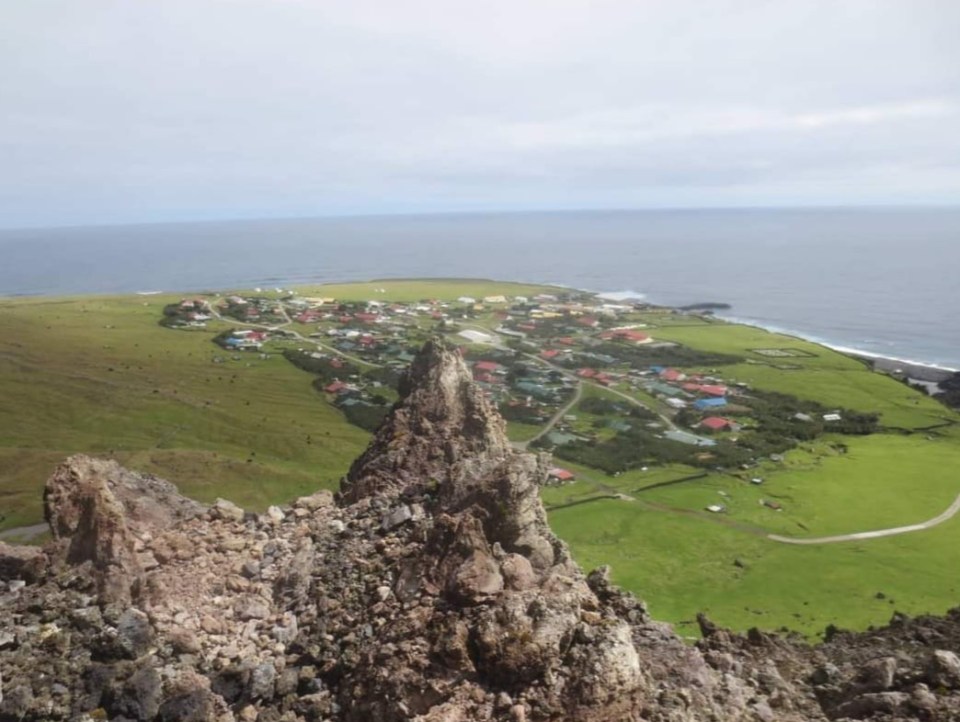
(944, 669)
(226, 510)
(431, 589)
(19, 562)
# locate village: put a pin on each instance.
(572, 373)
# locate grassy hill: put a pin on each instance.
(101, 376)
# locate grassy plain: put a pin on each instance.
(99, 375)
(820, 374)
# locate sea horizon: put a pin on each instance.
(870, 281)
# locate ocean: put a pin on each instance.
(881, 281)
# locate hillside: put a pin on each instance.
(285, 411)
(430, 589)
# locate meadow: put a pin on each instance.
(99, 375)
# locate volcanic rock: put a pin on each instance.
(432, 590)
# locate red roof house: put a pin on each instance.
(716, 423)
(335, 387)
(561, 474)
(671, 375)
(549, 353)
(713, 390)
(487, 366)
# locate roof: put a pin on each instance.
(715, 422)
(709, 403)
(486, 366)
(561, 474)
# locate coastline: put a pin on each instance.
(915, 369)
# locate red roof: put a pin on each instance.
(526, 327)
(716, 423)
(550, 353)
(566, 341)
(561, 474)
(335, 387)
(366, 317)
(670, 375)
(714, 390)
(486, 366)
(587, 321)
(586, 373)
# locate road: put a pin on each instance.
(857, 536)
(574, 400)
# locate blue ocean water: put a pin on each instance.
(883, 281)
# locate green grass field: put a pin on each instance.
(823, 375)
(99, 375)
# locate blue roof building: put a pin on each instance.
(704, 404)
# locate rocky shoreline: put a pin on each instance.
(430, 588)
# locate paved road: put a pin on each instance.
(574, 400)
(929, 524)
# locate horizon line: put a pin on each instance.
(490, 212)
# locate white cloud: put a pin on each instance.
(111, 109)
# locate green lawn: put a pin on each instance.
(99, 375)
(682, 564)
(825, 376)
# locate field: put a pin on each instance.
(821, 374)
(99, 375)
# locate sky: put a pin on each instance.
(115, 111)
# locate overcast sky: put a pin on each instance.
(138, 110)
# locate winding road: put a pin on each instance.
(876, 534)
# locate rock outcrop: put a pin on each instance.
(430, 588)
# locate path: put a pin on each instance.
(574, 400)
(24, 534)
(929, 524)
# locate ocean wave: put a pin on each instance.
(620, 295)
(840, 348)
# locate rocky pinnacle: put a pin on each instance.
(430, 589)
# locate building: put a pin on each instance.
(717, 423)
(711, 403)
(560, 475)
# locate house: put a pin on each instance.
(486, 366)
(559, 438)
(467, 300)
(713, 390)
(685, 437)
(588, 321)
(550, 353)
(476, 336)
(586, 373)
(335, 387)
(832, 417)
(676, 403)
(717, 423)
(711, 403)
(626, 334)
(561, 475)
(672, 375)
(495, 299)
(716, 508)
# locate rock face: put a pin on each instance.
(430, 589)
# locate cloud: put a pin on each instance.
(112, 110)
